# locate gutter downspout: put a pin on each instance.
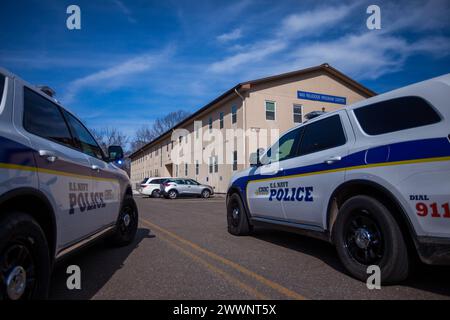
(244, 120)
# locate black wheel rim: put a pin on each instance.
(17, 256)
(127, 220)
(234, 213)
(364, 240)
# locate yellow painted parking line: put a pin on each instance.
(273, 285)
(255, 293)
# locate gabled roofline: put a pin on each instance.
(244, 86)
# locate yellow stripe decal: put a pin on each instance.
(55, 172)
(383, 164)
(375, 165)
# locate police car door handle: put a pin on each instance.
(95, 168)
(333, 160)
(51, 156)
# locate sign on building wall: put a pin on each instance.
(321, 97)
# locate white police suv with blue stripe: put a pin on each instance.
(58, 191)
(373, 179)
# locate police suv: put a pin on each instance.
(373, 179)
(58, 191)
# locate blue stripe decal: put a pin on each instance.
(12, 152)
(402, 151)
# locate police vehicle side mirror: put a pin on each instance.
(115, 153)
(255, 158)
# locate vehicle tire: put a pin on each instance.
(172, 194)
(127, 223)
(238, 224)
(366, 233)
(155, 194)
(24, 258)
(206, 194)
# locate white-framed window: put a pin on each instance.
(235, 163)
(210, 165)
(233, 114)
(216, 164)
(197, 128)
(197, 168)
(270, 110)
(297, 111)
(186, 169)
(210, 124)
(221, 115)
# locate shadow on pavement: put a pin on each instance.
(98, 263)
(435, 279)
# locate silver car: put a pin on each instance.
(175, 187)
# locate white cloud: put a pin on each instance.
(293, 26)
(116, 76)
(365, 56)
(314, 21)
(416, 16)
(125, 10)
(230, 36)
(252, 55)
(303, 40)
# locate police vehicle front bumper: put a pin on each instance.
(434, 250)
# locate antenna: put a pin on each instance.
(47, 90)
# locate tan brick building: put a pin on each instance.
(277, 102)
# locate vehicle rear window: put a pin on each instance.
(2, 86)
(157, 181)
(323, 134)
(44, 118)
(395, 115)
(144, 181)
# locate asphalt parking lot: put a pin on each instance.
(183, 251)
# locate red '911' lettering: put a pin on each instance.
(422, 209)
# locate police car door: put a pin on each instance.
(104, 199)
(312, 176)
(263, 192)
(64, 172)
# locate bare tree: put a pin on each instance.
(142, 136)
(167, 122)
(111, 137)
(145, 134)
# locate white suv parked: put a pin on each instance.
(58, 191)
(151, 187)
(373, 179)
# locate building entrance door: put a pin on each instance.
(169, 169)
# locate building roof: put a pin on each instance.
(248, 84)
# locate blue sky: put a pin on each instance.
(136, 60)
